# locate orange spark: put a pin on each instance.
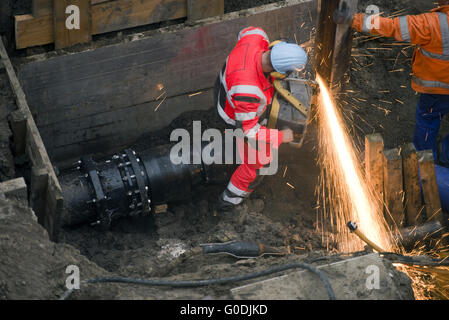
(351, 197)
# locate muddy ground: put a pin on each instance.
(277, 214)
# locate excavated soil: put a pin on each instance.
(282, 212)
(7, 104)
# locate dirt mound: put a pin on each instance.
(33, 267)
(6, 106)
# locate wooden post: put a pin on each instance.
(19, 129)
(429, 186)
(333, 43)
(393, 188)
(201, 9)
(374, 160)
(65, 37)
(38, 192)
(413, 202)
(36, 151)
(343, 48)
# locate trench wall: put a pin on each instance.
(103, 98)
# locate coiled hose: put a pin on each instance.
(218, 281)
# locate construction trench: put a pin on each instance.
(93, 115)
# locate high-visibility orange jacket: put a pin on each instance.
(430, 33)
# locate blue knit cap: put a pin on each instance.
(287, 57)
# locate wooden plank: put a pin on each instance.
(123, 14)
(36, 150)
(325, 38)
(93, 2)
(42, 7)
(105, 16)
(413, 200)
(33, 31)
(65, 37)
(87, 95)
(116, 128)
(15, 188)
(53, 209)
(393, 188)
(343, 48)
(429, 186)
(19, 126)
(45, 7)
(201, 9)
(374, 147)
(38, 192)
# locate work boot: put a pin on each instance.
(220, 207)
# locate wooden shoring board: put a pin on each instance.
(413, 200)
(68, 31)
(107, 96)
(393, 188)
(429, 186)
(374, 163)
(333, 43)
(201, 9)
(36, 151)
(106, 17)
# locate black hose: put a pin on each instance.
(202, 283)
(415, 260)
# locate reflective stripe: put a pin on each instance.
(367, 21)
(253, 131)
(248, 89)
(430, 84)
(237, 191)
(223, 82)
(405, 33)
(245, 116)
(444, 28)
(235, 201)
(251, 32)
(224, 116)
(434, 55)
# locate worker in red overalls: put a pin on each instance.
(244, 90)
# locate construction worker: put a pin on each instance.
(244, 90)
(430, 33)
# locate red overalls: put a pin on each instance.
(244, 96)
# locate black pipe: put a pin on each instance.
(129, 184)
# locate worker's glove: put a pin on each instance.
(288, 136)
(342, 15)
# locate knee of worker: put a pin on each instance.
(425, 137)
(243, 176)
(257, 182)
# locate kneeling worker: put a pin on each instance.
(244, 90)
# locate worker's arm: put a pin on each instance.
(414, 29)
(246, 108)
